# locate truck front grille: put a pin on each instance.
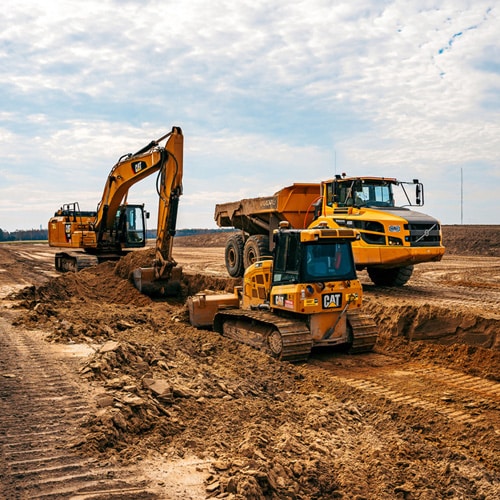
(424, 234)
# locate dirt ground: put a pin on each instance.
(106, 393)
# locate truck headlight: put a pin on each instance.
(395, 241)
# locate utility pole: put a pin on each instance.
(461, 196)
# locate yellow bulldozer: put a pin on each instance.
(305, 296)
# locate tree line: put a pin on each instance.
(24, 235)
(42, 234)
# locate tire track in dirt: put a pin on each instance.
(41, 410)
(450, 296)
(469, 281)
(460, 397)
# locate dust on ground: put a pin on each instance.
(418, 418)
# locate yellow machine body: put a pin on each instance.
(307, 295)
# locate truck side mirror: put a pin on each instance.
(418, 194)
(317, 208)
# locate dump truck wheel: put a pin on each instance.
(395, 276)
(234, 255)
(256, 247)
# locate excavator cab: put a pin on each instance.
(131, 226)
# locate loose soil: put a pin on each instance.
(169, 411)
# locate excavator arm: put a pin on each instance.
(163, 278)
(169, 187)
(116, 225)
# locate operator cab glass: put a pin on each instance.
(328, 261)
(132, 226)
(287, 258)
(362, 192)
(316, 261)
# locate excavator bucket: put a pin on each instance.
(145, 281)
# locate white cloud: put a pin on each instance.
(267, 94)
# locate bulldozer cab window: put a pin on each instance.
(328, 261)
(286, 258)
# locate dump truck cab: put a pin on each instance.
(360, 192)
(393, 236)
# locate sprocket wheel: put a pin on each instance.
(275, 343)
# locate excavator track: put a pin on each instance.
(283, 338)
(74, 261)
(364, 332)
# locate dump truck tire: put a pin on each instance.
(256, 248)
(234, 255)
(395, 276)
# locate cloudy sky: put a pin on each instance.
(266, 93)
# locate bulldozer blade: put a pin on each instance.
(144, 280)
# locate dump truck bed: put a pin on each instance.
(261, 215)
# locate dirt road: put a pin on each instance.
(107, 394)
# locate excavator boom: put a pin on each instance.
(163, 278)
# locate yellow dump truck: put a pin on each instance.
(393, 237)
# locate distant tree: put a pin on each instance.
(6, 236)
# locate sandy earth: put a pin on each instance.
(107, 394)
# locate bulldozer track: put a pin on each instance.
(407, 399)
(41, 411)
(364, 331)
(295, 336)
(485, 388)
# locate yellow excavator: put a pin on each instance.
(91, 237)
(306, 295)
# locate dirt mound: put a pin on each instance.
(193, 282)
(472, 240)
(99, 283)
(134, 260)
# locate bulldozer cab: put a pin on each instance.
(328, 261)
(320, 260)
